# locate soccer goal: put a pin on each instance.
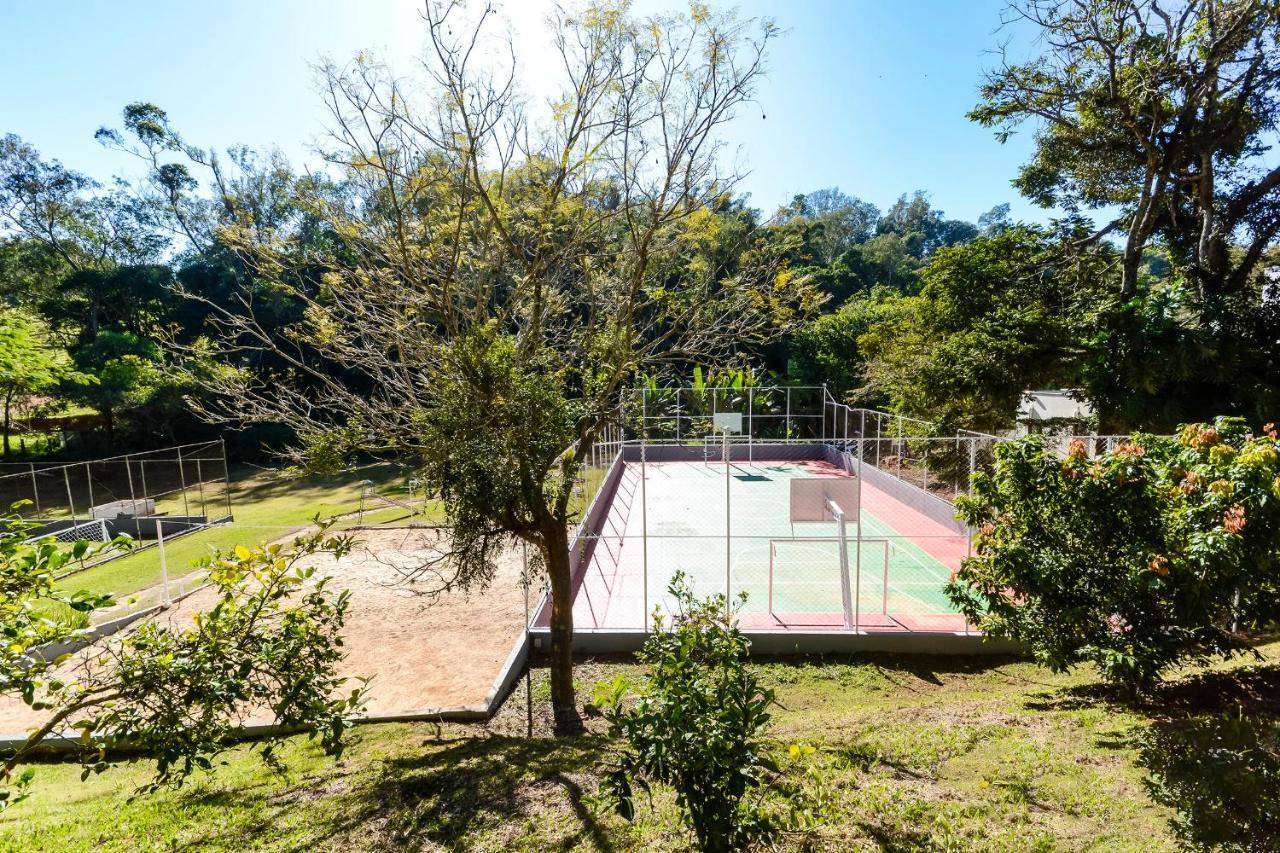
(86, 531)
(809, 575)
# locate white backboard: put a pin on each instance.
(728, 422)
(809, 496)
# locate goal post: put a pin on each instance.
(94, 530)
(816, 568)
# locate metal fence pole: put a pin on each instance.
(824, 411)
(644, 539)
(226, 477)
(973, 459)
(898, 447)
(35, 489)
(88, 480)
(677, 416)
(879, 435)
(142, 469)
(857, 522)
(71, 504)
(164, 566)
(728, 526)
(128, 472)
(182, 479)
(200, 487)
(788, 433)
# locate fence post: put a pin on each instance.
(857, 524)
(35, 489)
(164, 566)
(824, 411)
(226, 477)
(644, 540)
(200, 488)
(88, 480)
(128, 472)
(677, 416)
(728, 524)
(71, 504)
(898, 447)
(788, 420)
(182, 480)
(879, 436)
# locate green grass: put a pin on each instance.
(267, 506)
(913, 753)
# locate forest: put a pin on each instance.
(145, 307)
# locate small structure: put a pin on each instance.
(129, 508)
(1057, 412)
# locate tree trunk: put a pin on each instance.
(555, 551)
(8, 402)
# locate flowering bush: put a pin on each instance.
(1142, 558)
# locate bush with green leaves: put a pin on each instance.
(696, 725)
(1221, 775)
(179, 693)
(1153, 555)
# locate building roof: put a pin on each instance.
(1052, 406)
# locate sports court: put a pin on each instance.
(765, 527)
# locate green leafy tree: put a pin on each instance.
(825, 351)
(837, 221)
(28, 364)
(921, 227)
(1135, 561)
(995, 317)
(268, 645)
(128, 371)
(1163, 112)
(697, 725)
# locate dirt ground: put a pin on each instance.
(421, 652)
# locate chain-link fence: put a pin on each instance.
(168, 491)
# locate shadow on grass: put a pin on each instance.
(929, 668)
(448, 795)
(256, 485)
(1210, 747)
(1243, 690)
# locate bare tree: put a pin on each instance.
(498, 274)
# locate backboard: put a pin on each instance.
(809, 496)
(728, 422)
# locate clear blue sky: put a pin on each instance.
(869, 95)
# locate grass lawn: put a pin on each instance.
(914, 753)
(266, 506)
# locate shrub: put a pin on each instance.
(696, 726)
(1143, 558)
(1221, 774)
(270, 644)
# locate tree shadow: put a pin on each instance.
(1221, 775)
(1211, 750)
(444, 796)
(1243, 690)
(927, 668)
(247, 485)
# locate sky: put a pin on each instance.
(866, 95)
